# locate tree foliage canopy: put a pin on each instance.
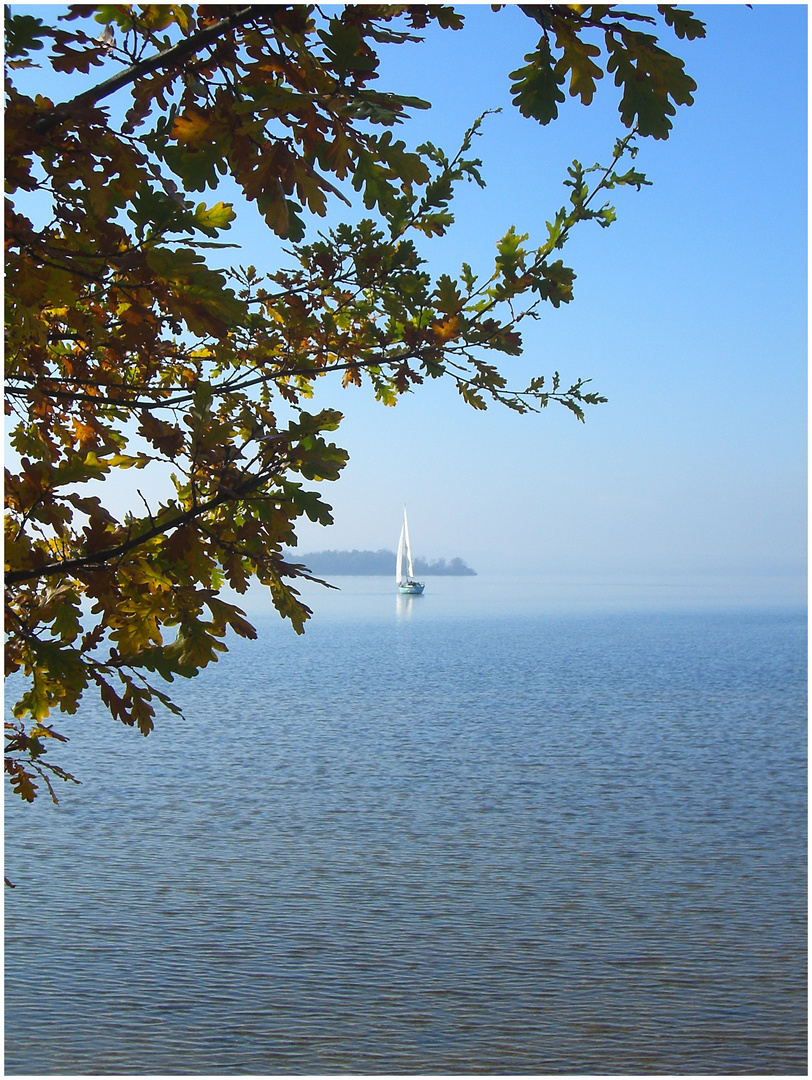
(129, 347)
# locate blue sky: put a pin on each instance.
(689, 314)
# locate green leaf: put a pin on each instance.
(682, 21)
(536, 87)
(577, 58)
(67, 624)
(631, 178)
(346, 50)
(652, 80)
(511, 253)
(471, 396)
(23, 33)
(22, 781)
(447, 296)
(468, 277)
(555, 283)
(36, 702)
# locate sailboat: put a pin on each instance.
(407, 584)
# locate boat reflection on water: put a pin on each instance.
(405, 604)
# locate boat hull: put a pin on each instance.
(411, 588)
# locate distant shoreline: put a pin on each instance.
(380, 563)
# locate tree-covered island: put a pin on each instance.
(380, 563)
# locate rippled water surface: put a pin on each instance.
(431, 838)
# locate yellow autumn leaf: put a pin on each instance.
(191, 127)
(447, 329)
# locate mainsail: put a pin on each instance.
(399, 570)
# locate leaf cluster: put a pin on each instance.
(569, 54)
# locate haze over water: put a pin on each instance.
(433, 835)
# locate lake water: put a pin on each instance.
(477, 831)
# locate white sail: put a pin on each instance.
(409, 566)
(399, 571)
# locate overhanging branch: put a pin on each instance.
(170, 56)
